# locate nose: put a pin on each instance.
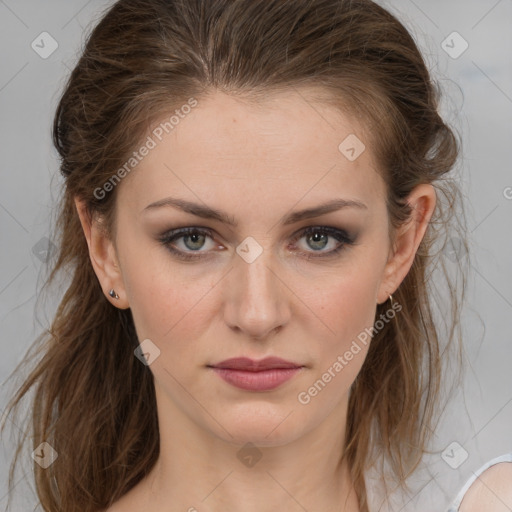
(256, 298)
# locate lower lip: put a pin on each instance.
(264, 380)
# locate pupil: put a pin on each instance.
(316, 237)
(194, 239)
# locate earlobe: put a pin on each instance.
(103, 256)
(408, 238)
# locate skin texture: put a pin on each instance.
(492, 491)
(258, 164)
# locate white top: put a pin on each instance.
(458, 500)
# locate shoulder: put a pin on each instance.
(491, 491)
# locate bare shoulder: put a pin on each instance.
(491, 491)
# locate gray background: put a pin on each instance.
(478, 84)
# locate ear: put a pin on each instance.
(103, 256)
(408, 238)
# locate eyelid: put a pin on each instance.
(343, 234)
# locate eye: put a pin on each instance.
(193, 240)
(317, 239)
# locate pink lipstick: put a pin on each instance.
(252, 375)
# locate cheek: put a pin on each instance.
(170, 311)
(348, 308)
(344, 309)
(166, 303)
(344, 305)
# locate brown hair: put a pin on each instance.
(94, 402)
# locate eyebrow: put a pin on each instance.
(206, 212)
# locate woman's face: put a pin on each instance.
(259, 285)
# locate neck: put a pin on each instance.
(197, 471)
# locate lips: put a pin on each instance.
(251, 365)
(257, 376)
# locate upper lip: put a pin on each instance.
(252, 365)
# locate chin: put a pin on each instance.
(268, 425)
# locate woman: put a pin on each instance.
(252, 198)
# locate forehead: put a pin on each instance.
(284, 148)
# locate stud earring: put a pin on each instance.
(113, 294)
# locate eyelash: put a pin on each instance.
(168, 238)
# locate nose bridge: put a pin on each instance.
(256, 302)
(258, 281)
